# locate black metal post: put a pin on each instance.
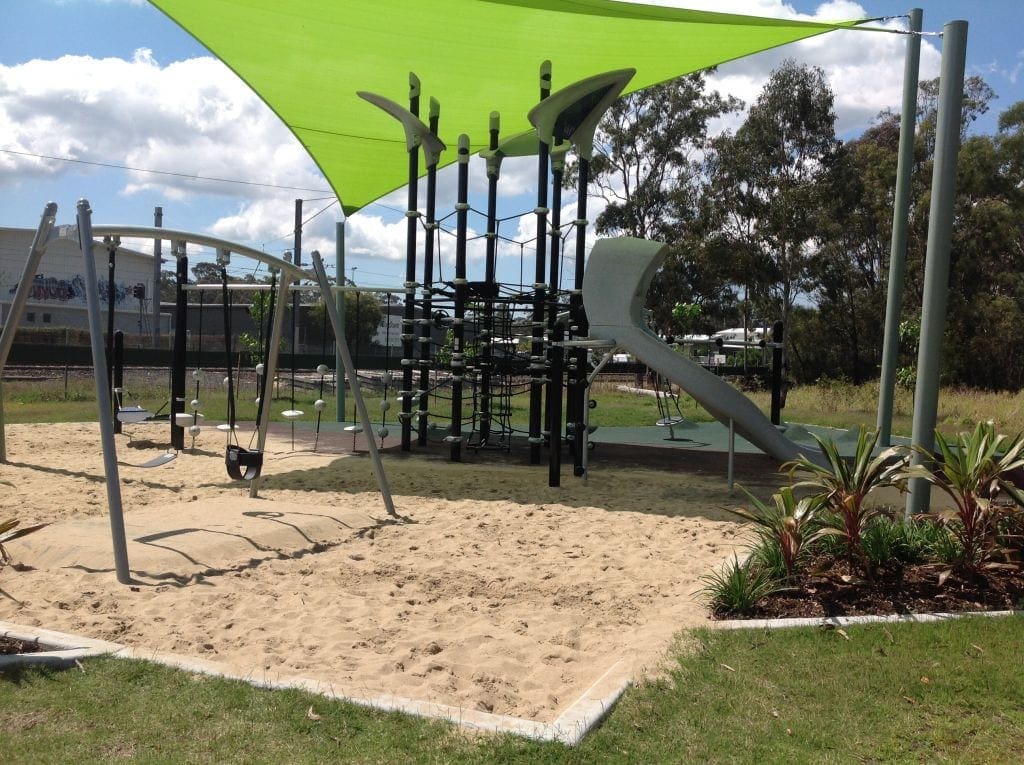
(180, 341)
(777, 370)
(427, 308)
(537, 359)
(578, 324)
(458, 360)
(111, 291)
(118, 377)
(553, 423)
(556, 353)
(490, 283)
(409, 316)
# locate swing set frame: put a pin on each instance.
(85, 234)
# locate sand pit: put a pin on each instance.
(501, 595)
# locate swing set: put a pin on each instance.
(249, 465)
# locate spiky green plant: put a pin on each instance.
(737, 587)
(789, 522)
(9, 531)
(844, 486)
(974, 470)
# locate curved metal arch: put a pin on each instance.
(189, 237)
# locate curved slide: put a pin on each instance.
(615, 286)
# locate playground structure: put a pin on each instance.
(561, 337)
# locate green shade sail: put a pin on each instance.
(307, 59)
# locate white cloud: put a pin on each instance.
(864, 69)
(192, 117)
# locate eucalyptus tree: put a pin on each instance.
(767, 182)
(648, 172)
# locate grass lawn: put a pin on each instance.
(833, 404)
(896, 693)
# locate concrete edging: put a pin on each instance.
(845, 621)
(578, 719)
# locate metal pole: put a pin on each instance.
(113, 480)
(490, 268)
(409, 315)
(297, 260)
(425, 355)
(269, 371)
(346, 361)
(940, 232)
(577, 373)
(180, 341)
(158, 221)
(732, 455)
(776, 378)
(555, 353)
(537, 359)
(339, 307)
(14, 313)
(458, 354)
(900, 217)
(111, 293)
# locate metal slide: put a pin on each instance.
(615, 286)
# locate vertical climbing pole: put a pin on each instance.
(416, 135)
(426, 356)
(537, 360)
(573, 114)
(490, 285)
(458, 361)
(180, 341)
(576, 405)
(409, 316)
(556, 353)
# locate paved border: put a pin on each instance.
(569, 728)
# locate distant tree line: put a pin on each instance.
(779, 219)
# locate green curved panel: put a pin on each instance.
(307, 59)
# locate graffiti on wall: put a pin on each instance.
(54, 289)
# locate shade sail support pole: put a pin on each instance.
(900, 225)
(937, 256)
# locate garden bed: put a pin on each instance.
(910, 589)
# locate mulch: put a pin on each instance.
(9, 645)
(899, 590)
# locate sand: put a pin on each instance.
(498, 594)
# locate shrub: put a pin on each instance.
(974, 470)
(737, 588)
(845, 485)
(789, 522)
(892, 539)
(766, 553)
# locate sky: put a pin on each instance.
(114, 85)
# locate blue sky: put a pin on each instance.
(115, 82)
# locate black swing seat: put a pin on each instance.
(243, 464)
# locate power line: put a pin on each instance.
(189, 176)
